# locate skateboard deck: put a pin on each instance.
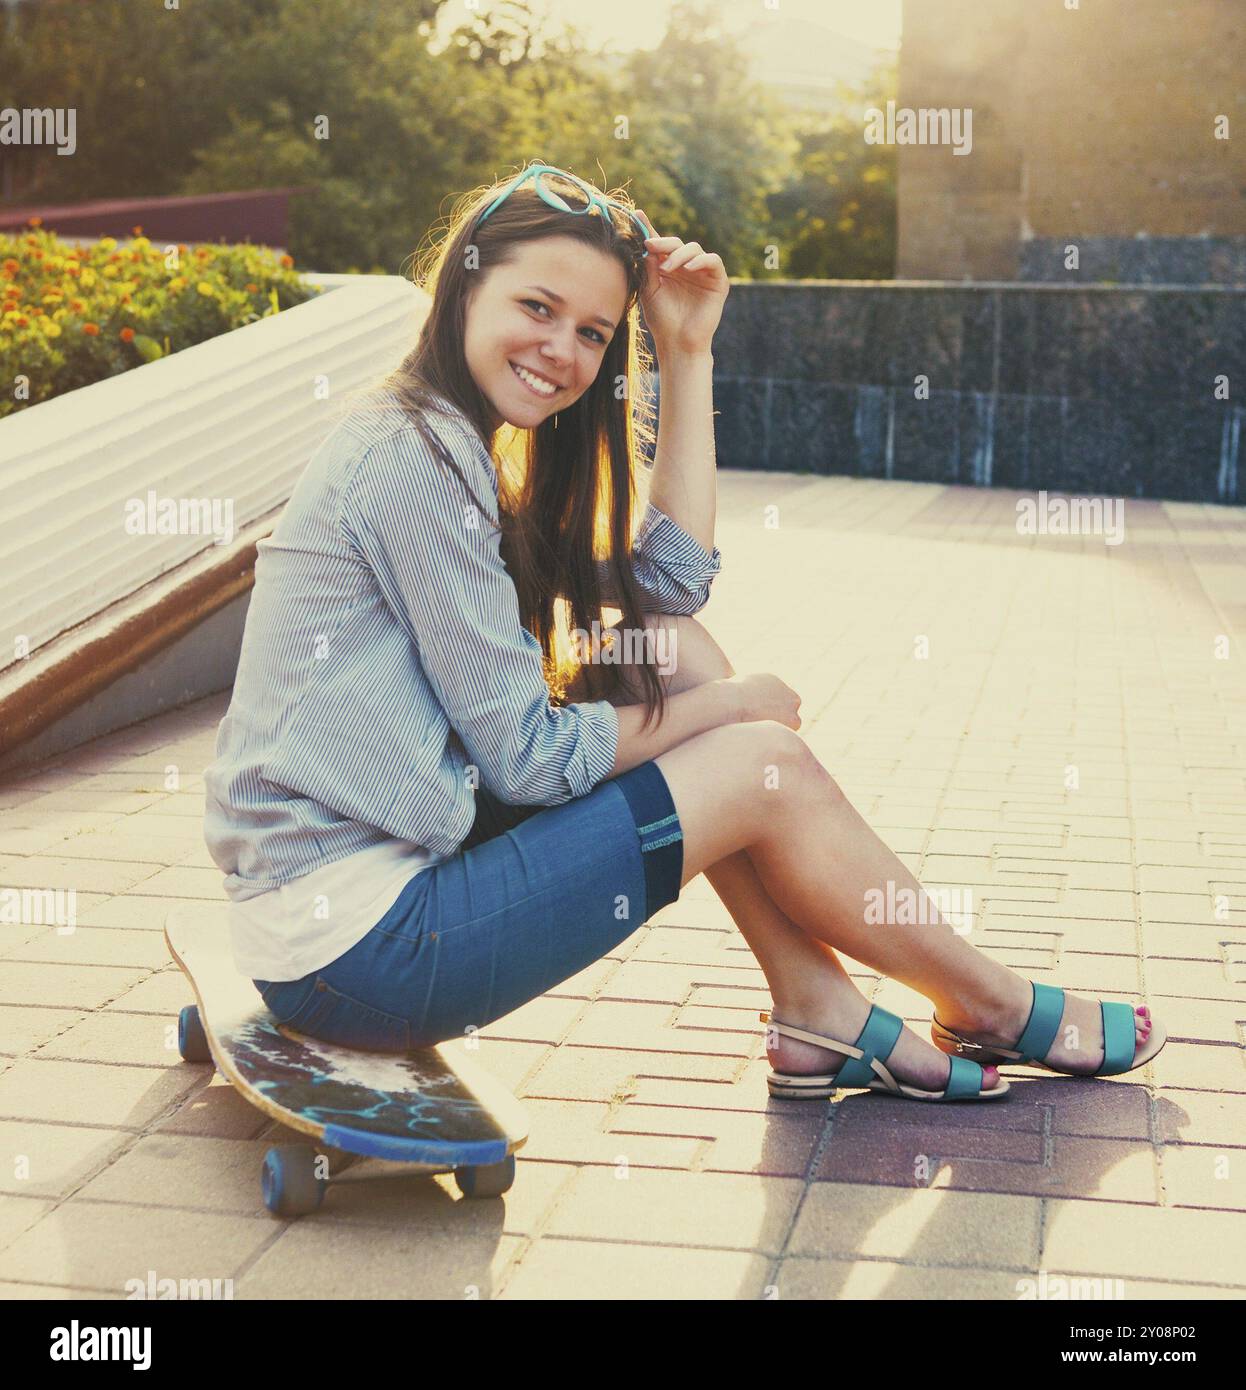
(432, 1109)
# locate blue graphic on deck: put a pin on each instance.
(437, 1120)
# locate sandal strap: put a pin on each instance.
(862, 1063)
(968, 1045)
(1043, 1023)
(965, 1079)
(882, 1030)
(1046, 1010)
(818, 1039)
(1039, 1033)
(1119, 1040)
(877, 1038)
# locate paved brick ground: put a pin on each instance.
(1069, 740)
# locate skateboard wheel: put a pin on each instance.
(192, 1041)
(490, 1180)
(289, 1181)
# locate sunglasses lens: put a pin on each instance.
(562, 192)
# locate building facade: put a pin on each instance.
(1108, 141)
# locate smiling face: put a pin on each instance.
(547, 315)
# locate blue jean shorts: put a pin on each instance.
(534, 895)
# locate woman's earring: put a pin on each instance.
(555, 419)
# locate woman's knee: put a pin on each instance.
(790, 764)
(768, 757)
(737, 784)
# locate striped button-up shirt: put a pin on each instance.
(383, 655)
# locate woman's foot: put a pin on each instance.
(1078, 1044)
(842, 1014)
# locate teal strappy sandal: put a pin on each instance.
(864, 1066)
(1046, 1011)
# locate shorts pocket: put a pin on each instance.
(333, 1017)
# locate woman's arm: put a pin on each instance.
(688, 714)
(672, 570)
(729, 700)
(683, 482)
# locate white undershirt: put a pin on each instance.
(308, 923)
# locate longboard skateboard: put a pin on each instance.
(432, 1109)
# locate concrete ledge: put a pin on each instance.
(216, 435)
(173, 641)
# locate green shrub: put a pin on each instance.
(73, 315)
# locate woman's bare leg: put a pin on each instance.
(795, 899)
(809, 986)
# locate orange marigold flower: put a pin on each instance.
(34, 222)
(91, 329)
(138, 231)
(287, 262)
(22, 321)
(251, 287)
(127, 334)
(12, 266)
(77, 305)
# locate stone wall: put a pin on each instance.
(1090, 125)
(1099, 390)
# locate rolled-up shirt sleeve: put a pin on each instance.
(439, 566)
(673, 570)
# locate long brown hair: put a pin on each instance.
(578, 487)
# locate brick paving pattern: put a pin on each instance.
(1056, 723)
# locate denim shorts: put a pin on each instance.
(534, 895)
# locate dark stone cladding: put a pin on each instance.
(1137, 260)
(1092, 389)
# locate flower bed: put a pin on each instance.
(73, 315)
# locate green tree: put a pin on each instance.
(363, 111)
(836, 216)
(712, 136)
(347, 100)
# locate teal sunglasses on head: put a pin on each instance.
(592, 199)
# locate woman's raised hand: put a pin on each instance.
(684, 293)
